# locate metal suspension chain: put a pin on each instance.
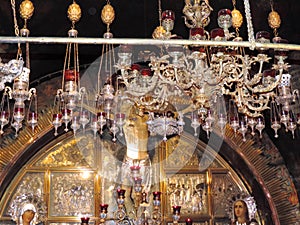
(251, 38)
(16, 27)
(159, 12)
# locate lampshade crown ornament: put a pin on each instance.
(108, 16)
(26, 9)
(74, 12)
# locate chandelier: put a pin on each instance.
(212, 85)
(68, 107)
(15, 71)
(219, 84)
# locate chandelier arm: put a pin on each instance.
(244, 103)
(31, 92)
(8, 91)
(257, 110)
(58, 97)
(31, 98)
(269, 88)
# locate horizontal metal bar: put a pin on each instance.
(144, 41)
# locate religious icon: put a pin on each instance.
(28, 209)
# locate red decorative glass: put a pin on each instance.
(281, 51)
(125, 49)
(217, 32)
(263, 35)
(197, 33)
(188, 221)
(66, 111)
(168, 14)
(121, 192)
(269, 73)
(224, 12)
(71, 75)
(19, 110)
(4, 115)
(33, 115)
(120, 116)
(135, 168)
(137, 180)
(57, 116)
(85, 220)
(101, 114)
(156, 195)
(103, 207)
(146, 72)
(176, 209)
(135, 67)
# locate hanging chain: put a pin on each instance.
(159, 12)
(13, 5)
(16, 27)
(251, 38)
(234, 3)
(272, 5)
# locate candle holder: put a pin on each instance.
(138, 184)
(103, 213)
(120, 214)
(156, 199)
(135, 171)
(156, 215)
(188, 221)
(85, 220)
(176, 214)
(121, 197)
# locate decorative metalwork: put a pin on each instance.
(72, 194)
(197, 13)
(223, 189)
(70, 98)
(9, 71)
(15, 71)
(207, 76)
(77, 152)
(29, 193)
(25, 202)
(188, 191)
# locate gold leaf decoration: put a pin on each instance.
(274, 20)
(237, 18)
(26, 9)
(108, 14)
(74, 12)
(159, 33)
